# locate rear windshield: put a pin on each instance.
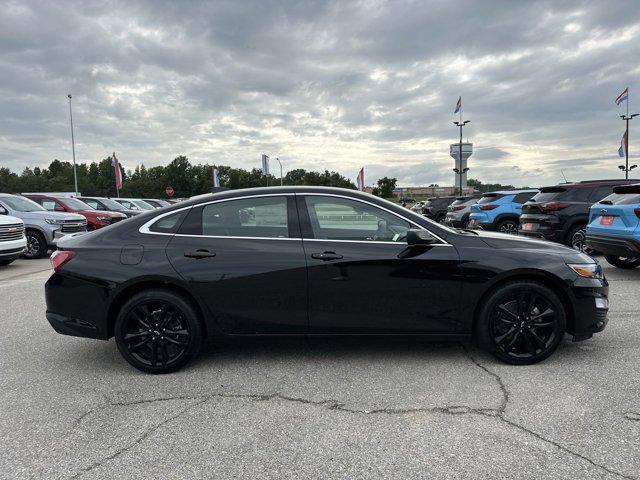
(561, 193)
(490, 197)
(621, 199)
(464, 201)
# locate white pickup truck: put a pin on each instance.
(13, 243)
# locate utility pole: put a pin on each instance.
(625, 167)
(73, 149)
(459, 170)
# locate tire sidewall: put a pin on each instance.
(190, 314)
(483, 334)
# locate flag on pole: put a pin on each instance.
(265, 165)
(458, 105)
(360, 180)
(623, 96)
(216, 178)
(624, 144)
(116, 165)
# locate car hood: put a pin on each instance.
(504, 241)
(101, 213)
(52, 215)
(9, 220)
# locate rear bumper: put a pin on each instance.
(77, 307)
(612, 245)
(545, 227)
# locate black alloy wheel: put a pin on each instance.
(508, 226)
(36, 245)
(626, 263)
(158, 331)
(521, 323)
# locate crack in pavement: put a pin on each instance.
(335, 405)
(137, 441)
(501, 416)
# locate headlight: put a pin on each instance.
(586, 270)
(52, 221)
(103, 219)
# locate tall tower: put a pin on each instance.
(461, 164)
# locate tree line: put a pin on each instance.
(98, 179)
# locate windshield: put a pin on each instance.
(490, 197)
(142, 204)
(622, 199)
(21, 204)
(111, 204)
(75, 204)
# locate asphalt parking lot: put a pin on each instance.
(72, 408)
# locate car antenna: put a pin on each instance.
(565, 178)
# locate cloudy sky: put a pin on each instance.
(326, 84)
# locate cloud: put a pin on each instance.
(321, 84)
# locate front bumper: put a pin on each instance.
(12, 249)
(613, 245)
(590, 308)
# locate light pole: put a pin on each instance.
(278, 160)
(626, 118)
(459, 170)
(73, 149)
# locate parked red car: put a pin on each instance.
(95, 218)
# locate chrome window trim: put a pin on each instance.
(145, 228)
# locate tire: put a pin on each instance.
(440, 218)
(36, 245)
(521, 323)
(577, 238)
(4, 263)
(626, 263)
(158, 331)
(509, 227)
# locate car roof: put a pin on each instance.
(512, 192)
(595, 183)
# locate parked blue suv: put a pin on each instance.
(499, 211)
(614, 227)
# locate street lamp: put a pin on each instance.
(626, 118)
(73, 148)
(460, 124)
(278, 160)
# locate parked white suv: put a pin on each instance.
(13, 243)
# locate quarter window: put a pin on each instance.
(334, 218)
(249, 217)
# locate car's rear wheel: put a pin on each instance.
(578, 240)
(508, 226)
(158, 331)
(36, 245)
(521, 323)
(627, 263)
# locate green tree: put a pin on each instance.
(385, 187)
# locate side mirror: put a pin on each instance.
(422, 238)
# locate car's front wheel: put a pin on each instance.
(521, 322)
(627, 263)
(36, 245)
(158, 331)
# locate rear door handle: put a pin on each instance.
(326, 256)
(199, 254)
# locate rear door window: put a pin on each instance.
(249, 217)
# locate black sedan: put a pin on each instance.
(316, 261)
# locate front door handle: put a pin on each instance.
(201, 253)
(326, 256)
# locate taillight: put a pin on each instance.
(637, 212)
(488, 207)
(60, 257)
(553, 206)
(458, 207)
